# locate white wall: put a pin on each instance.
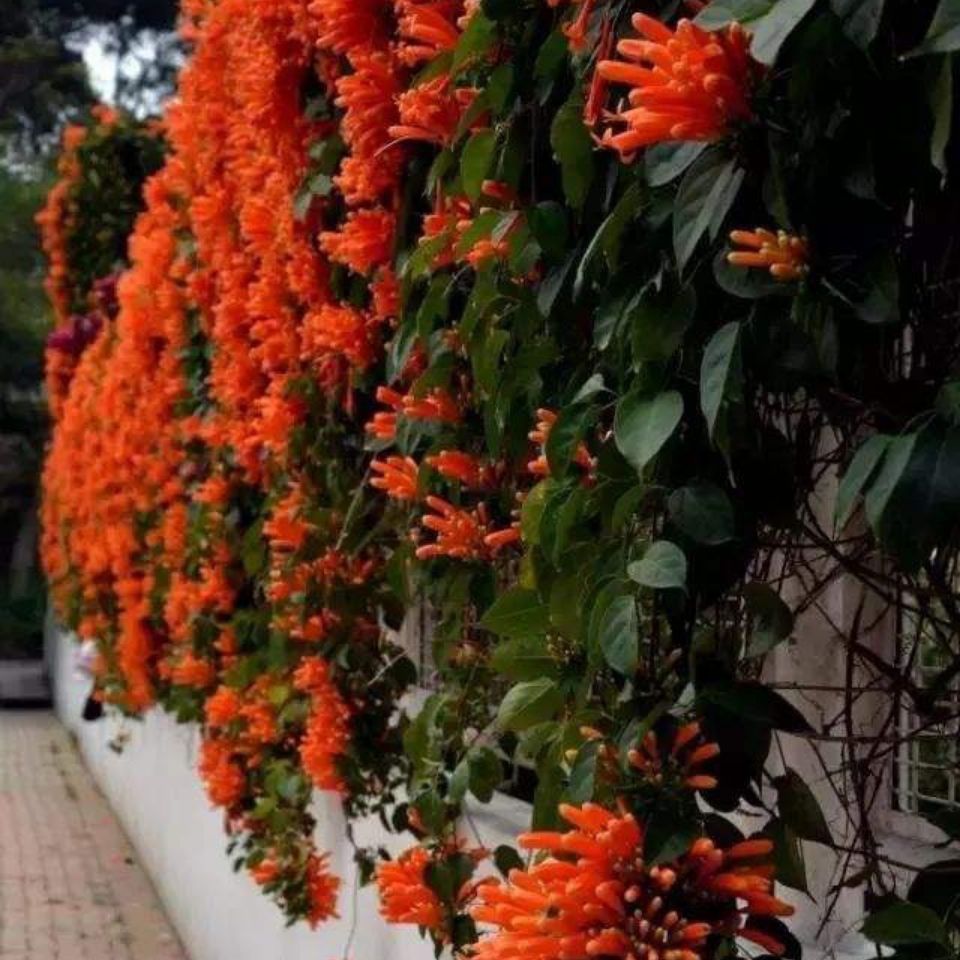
(156, 793)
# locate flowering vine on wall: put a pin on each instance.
(497, 312)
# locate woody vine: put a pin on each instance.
(549, 325)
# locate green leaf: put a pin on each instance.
(800, 809)
(706, 194)
(517, 613)
(475, 161)
(787, 856)
(903, 924)
(486, 773)
(506, 859)
(703, 512)
(943, 36)
(720, 373)
(860, 18)
(858, 475)
(573, 149)
(642, 425)
(474, 42)
(770, 21)
(771, 619)
(664, 162)
(659, 320)
(619, 635)
(523, 658)
(583, 774)
(566, 434)
(940, 99)
(527, 703)
(751, 701)
(662, 567)
(486, 359)
(548, 224)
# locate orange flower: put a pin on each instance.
(322, 889)
(383, 425)
(687, 753)
(460, 533)
(191, 671)
(222, 707)
(783, 254)
(397, 477)
(595, 895)
(427, 29)
(328, 725)
(404, 894)
(464, 467)
(340, 330)
(437, 405)
(432, 111)
(363, 242)
(221, 774)
(696, 84)
(539, 467)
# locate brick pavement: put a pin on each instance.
(70, 886)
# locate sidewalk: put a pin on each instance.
(70, 887)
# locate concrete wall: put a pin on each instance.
(156, 793)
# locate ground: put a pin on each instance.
(70, 885)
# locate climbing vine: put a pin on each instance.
(561, 329)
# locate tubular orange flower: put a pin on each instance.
(539, 467)
(222, 707)
(595, 895)
(459, 532)
(221, 774)
(437, 405)
(464, 467)
(328, 725)
(687, 753)
(191, 671)
(782, 253)
(427, 29)
(404, 894)
(363, 242)
(383, 425)
(695, 85)
(432, 111)
(322, 889)
(397, 477)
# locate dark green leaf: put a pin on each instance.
(664, 162)
(642, 425)
(943, 36)
(800, 810)
(566, 434)
(771, 619)
(573, 149)
(506, 859)
(662, 567)
(658, 321)
(861, 19)
(523, 658)
(517, 613)
(527, 703)
(903, 924)
(770, 21)
(858, 475)
(619, 635)
(720, 373)
(475, 161)
(703, 512)
(706, 193)
(748, 700)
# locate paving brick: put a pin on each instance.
(70, 884)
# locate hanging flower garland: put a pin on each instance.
(414, 321)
